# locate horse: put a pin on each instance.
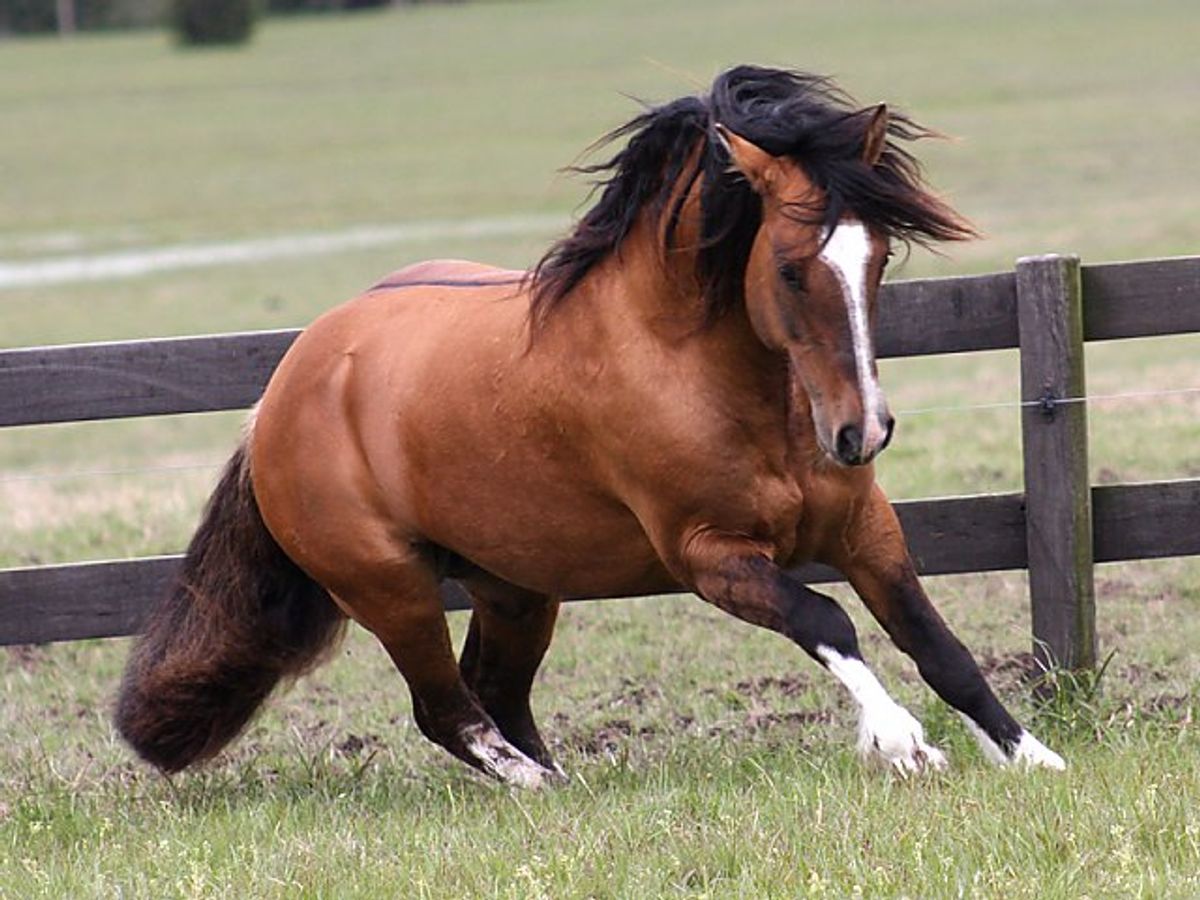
(681, 395)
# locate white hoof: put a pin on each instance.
(558, 773)
(893, 735)
(1030, 753)
(502, 760)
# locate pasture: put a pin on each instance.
(709, 759)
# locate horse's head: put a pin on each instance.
(810, 293)
(785, 196)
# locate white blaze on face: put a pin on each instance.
(847, 253)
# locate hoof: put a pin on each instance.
(500, 759)
(1027, 753)
(895, 737)
(1030, 753)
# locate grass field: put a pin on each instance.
(708, 759)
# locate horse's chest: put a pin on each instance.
(830, 504)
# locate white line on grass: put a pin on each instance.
(148, 260)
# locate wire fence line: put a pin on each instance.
(1054, 401)
(64, 475)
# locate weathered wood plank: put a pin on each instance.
(1151, 520)
(916, 318)
(982, 533)
(1141, 299)
(97, 599)
(105, 599)
(84, 382)
(137, 378)
(1054, 437)
(947, 315)
(959, 534)
(80, 600)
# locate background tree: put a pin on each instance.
(214, 21)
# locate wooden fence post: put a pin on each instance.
(1054, 436)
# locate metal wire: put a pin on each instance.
(1020, 404)
(926, 410)
(101, 473)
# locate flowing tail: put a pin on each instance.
(240, 616)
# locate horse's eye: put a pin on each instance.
(791, 277)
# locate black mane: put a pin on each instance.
(804, 117)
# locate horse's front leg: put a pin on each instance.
(739, 577)
(875, 559)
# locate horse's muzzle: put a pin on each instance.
(850, 447)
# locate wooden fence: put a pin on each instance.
(1057, 528)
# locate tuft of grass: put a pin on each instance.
(1070, 702)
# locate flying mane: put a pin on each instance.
(787, 113)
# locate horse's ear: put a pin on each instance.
(759, 166)
(875, 137)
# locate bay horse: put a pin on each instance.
(682, 394)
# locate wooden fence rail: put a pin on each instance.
(1057, 528)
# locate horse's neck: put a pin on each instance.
(642, 286)
(640, 294)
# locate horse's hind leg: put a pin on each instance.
(403, 608)
(509, 633)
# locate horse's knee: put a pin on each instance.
(815, 621)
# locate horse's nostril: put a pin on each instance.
(889, 427)
(849, 445)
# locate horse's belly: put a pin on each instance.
(541, 528)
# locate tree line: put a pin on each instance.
(195, 21)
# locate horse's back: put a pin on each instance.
(462, 273)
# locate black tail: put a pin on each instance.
(240, 616)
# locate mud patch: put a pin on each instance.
(610, 737)
(1010, 670)
(1139, 675)
(771, 685)
(26, 657)
(355, 745)
(633, 695)
(1175, 707)
(762, 720)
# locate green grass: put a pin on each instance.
(708, 758)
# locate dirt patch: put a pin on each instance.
(1010, 671)
(355, 745)
(1114, 588)
(27, 657)
(614, 734)
(761, 720)
(633, 695)
(1137, 675)
(1169, 594)
(1019, 664)
(1174, 707)
(771, 685)
(609, 737)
